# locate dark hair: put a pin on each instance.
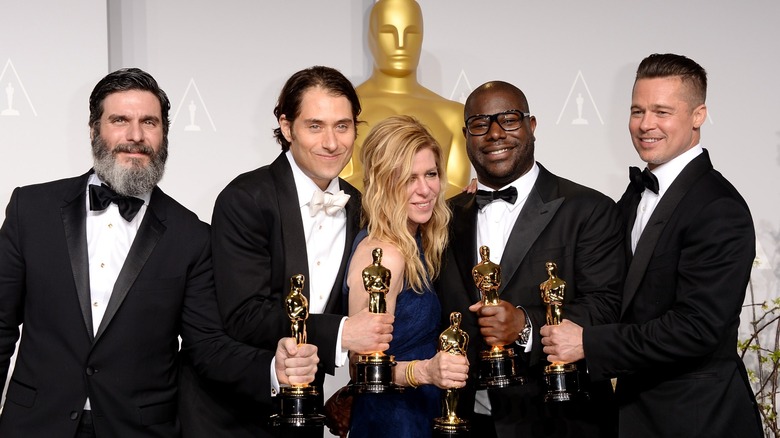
(289, 102)
(668, 64)
(124, 80)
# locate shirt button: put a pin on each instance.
(102, 265)
(318, 263)
(95, 304)
(110, 225)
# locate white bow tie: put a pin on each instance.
(327, 202)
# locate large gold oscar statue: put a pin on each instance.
(395, 38)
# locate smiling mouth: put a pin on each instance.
(499, 151)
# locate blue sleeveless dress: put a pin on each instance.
(415, 334)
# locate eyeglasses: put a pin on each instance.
(508, 121)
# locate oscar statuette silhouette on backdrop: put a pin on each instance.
(395, 39)
(298, 414)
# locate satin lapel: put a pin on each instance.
(657, 222)
(149, 233)
(631, 199)
(74, 220)
(352, 210)
(464, 243)
(533, 219)
(295, 257)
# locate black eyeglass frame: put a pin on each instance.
(494, 118)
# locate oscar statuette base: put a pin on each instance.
(298, 414)
(498, 369)
(374, 374)
(562, 383)
(450, 428)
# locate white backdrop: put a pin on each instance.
(229, 59)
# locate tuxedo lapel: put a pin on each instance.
(149, 233)
(657, 222)
(632, 203)
(295, 257)
(463, 242)
(533, 219)
(74, 220)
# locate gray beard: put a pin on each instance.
(135, 180)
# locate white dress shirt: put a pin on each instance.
(666, 174)
(495, 222)
(109, 238)
(326, 237)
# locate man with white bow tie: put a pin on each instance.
(294, 216)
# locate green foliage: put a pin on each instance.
(761, 353)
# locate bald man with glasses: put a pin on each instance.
(527, 216)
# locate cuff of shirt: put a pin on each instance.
(274, 380)
(525, 339)
(341, 354)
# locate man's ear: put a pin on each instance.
(286, 127)
(699, 116)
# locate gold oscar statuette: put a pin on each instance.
(298, 406)
(374, 371)
(453, 340)
(561, 379)
(497, 367)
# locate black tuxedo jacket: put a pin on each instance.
(577, 228)
(675, 349)
(128, 367)
(258, 242)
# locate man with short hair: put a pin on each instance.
(106, 272)
(294, 216)
(527, 216)
(690, 244)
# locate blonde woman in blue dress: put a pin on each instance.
(405, 214)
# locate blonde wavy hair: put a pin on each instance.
(387, 155)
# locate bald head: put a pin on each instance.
(494, 87)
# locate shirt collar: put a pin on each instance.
(304, 186)
(524, 185)
(668, 172)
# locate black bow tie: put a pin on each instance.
(485, 197)
(100, 197)
(643, 179)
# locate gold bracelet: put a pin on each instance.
(410, 374)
